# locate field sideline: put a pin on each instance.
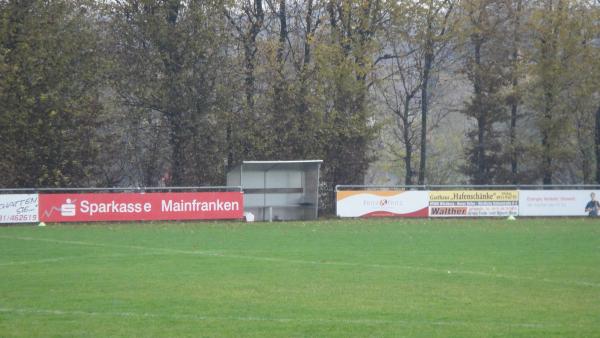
(384, 277)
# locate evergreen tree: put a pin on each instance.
(49, 93)
(486, 68)
(168, 57)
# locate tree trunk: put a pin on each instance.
(282, 31)
(514, 104)
(597, 144)
(249, 54)
(309, 13)
(514, 164)
(546, 146)
(408, 179)
(177, 142)
(546, 142)
(230, 146)
(547, 161)
(480, 175)
(303, 106)
(549, 54)
(250, 51)
(280, 81)
(425, 107)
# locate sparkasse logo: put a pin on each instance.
(68, 209)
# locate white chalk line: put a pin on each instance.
(67, 258)
(311, 262)
(356, 321)
(119, 246)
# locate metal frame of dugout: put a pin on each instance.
(279, 190)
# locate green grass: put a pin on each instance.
(423, 278)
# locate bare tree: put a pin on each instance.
(434, 32)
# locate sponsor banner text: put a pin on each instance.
(19, 208)
(473, 203)
(140, 206)
(382, 203)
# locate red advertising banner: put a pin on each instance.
(140, 206)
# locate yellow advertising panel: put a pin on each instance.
(474, 196)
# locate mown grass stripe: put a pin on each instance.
(221, 254)
(356, 321)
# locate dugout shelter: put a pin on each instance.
(279, 190)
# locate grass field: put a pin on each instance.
(339, 278)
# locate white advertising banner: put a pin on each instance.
(19, 208)
(554, 202)
(382, 203)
